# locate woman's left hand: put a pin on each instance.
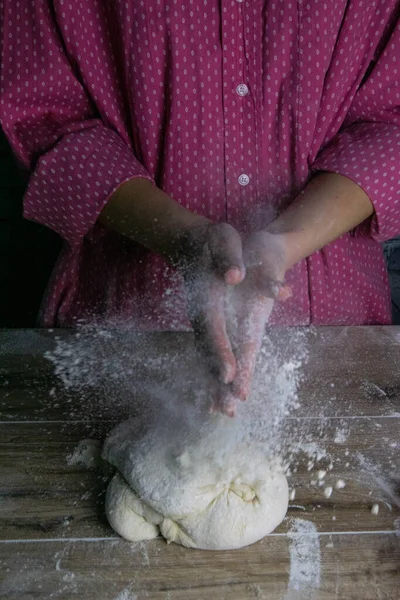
(250, 305)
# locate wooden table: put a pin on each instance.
(56, 543)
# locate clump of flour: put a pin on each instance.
(87, 453)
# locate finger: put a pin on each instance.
(218, 339)
(234, 276)
(224, 403)
(246, 365)
(285, 292)
(267, 285)
(250, 339)
(211, 336)
(226, 250)
(213, 344)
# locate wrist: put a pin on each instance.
(327, 208)
(291, 244)
(144, 213)
(282, 247)
(186, 240)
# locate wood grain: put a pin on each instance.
(54, 538)
(353, 567)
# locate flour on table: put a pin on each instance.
(197, 486)
(126, 595)
(305, 556)
(87, 452)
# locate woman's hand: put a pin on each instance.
(248, 307)
(211, 261)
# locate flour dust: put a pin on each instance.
(114, 374)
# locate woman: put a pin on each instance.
(210, 150)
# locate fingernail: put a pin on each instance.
(230, 411)
(233, 276)
(228, 374)
(213, 409)
(226, 379)
(285, 293)
(243, 395)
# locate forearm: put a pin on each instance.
(144, 213)
(328, 207)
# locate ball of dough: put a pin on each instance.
(126, 513)
(193, 488)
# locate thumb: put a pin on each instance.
(226, 251)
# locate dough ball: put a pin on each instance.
(196, 488)
(126, 515)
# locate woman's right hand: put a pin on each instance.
(211, 261)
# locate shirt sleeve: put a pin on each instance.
(76, 161)
(367, 148)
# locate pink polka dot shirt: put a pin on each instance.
(229, 106)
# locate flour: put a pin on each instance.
(88, 453)
(373, 474)
(256, 591)
(397, 526)
(375, 509)
(115, 372)
(118, 374)
(305, 556)
(220, 497)
(341, 436)
(125, 595)
(372, 390)
(340, 484)
(313, 449)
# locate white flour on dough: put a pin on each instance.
(194, 485)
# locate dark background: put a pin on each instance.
(28, 252)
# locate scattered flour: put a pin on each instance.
(115, 371)
(341, 436)
(111, 367)
(371, 389)
(87, 452)
(397, 525)
(372, 473)
(256, 591)
(126, 595)
(375, 509)
(305, 556)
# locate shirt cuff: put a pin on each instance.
(74, 180)
(369, 155)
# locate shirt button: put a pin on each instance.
(244, 179)
(242, 89)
